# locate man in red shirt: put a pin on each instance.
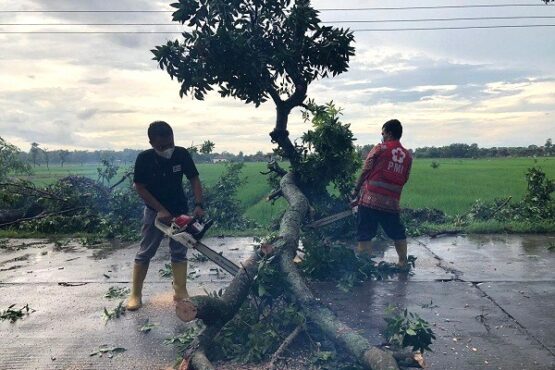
(379, 188)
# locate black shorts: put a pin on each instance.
(368, 220)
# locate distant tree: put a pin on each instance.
(46, 155)
(548, 146)
(34, 152)
(10, 161)
(207, 147)
(63, 154)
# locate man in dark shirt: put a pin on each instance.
(158, 180)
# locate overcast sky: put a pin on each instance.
(494, 87)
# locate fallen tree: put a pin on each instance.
(216, 312)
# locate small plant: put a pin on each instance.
(166, 272)
(116, 292)
(409, 329)
(109, 351)
(116, 313)
(14, 315)
(434, 165)
(107, 171)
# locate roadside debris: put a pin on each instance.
(166, 272)
(147, 327)
(108, 351)
(116, 313)
(14, 315)
(116, 292)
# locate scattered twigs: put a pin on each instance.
(287, 341)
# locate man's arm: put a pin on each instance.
(368, 166)
(152, 202)
(197, 191)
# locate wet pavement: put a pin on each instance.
(490, 300)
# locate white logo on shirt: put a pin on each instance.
(398, 155)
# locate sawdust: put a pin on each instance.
(162, 300)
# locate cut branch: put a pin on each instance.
(286, 343)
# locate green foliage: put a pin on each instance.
(268, 282)
(330, 259)
(223, 206)
(409, 329)
(207, 147)
(106, 171)
(251, 49)
(182, 341)
(257, 330)
(434, 165)
(116, 292)
(328, 153)
(10, 163)
(79, 204)
(326, 258)
(539, 187)
(13, 315)
(536, 205)
(263, 321)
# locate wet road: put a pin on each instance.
(490, 300)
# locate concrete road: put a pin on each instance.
(490, 300)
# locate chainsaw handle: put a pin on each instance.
(166, 229)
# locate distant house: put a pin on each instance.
(220, 160)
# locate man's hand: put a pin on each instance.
(164, 216)
(198, 212)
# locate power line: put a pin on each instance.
(327, 22)
(521, 5)
(354, 30)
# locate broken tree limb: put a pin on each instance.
(216, 312)
(369, 356)
(274, 195)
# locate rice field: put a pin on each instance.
(452, 187)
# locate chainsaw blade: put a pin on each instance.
(331, 219)
(188, 241)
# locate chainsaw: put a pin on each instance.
(353, 208)
(188, 231)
